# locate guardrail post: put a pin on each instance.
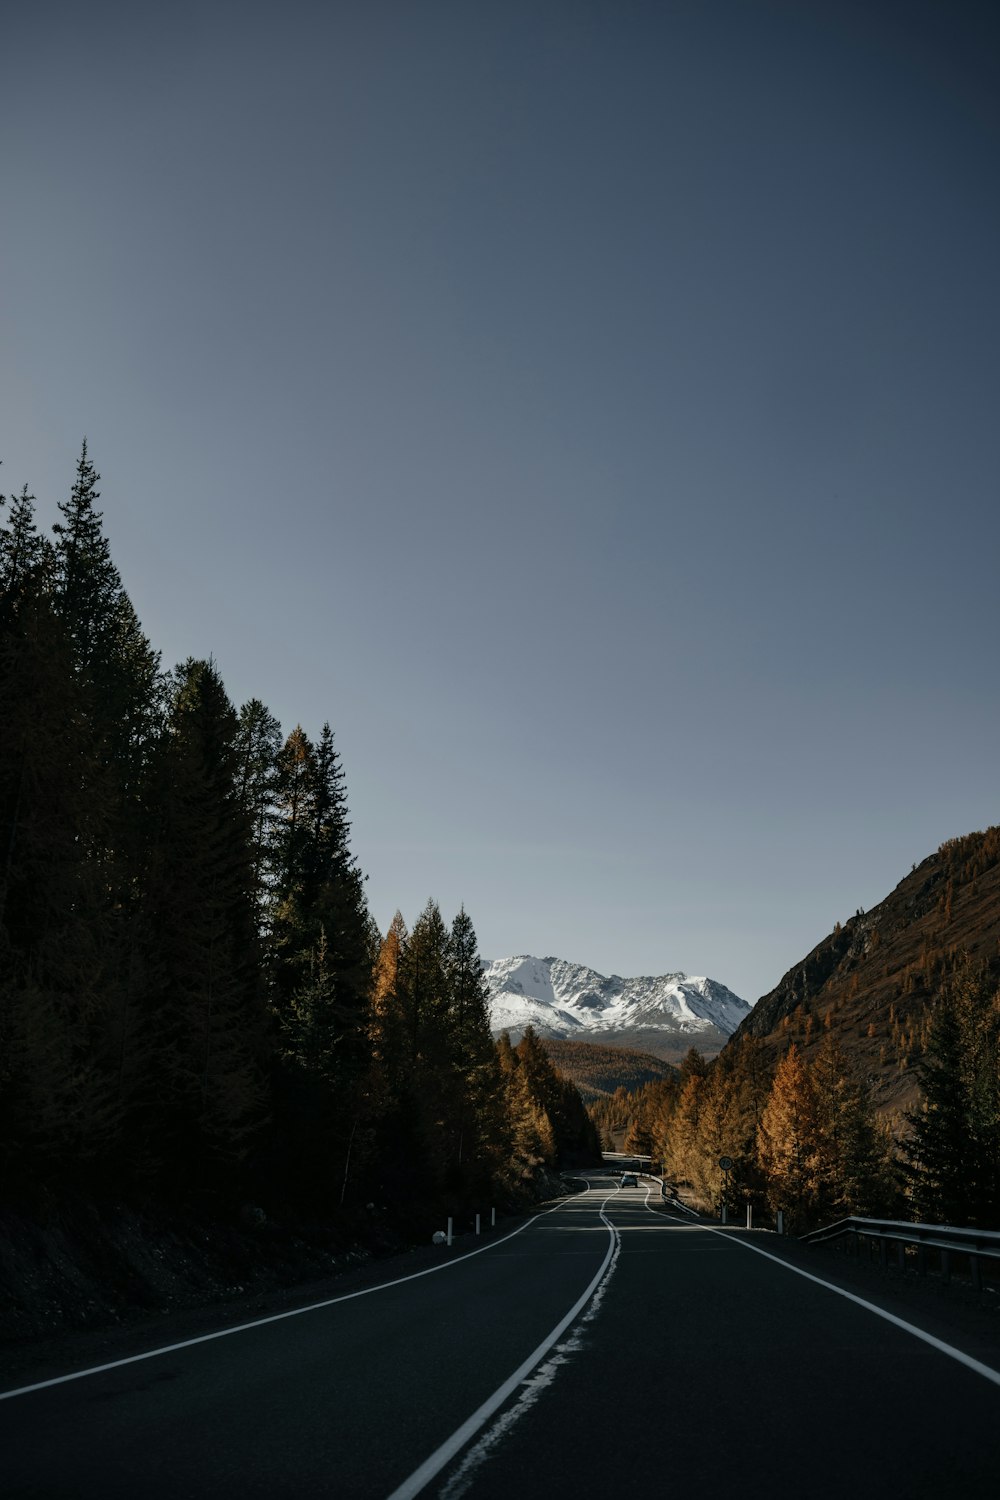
(976, 1271)
(883, 1252)
(945, 1266)
(450, 1223)
(921, 1259)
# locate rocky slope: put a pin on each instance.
(871, 980)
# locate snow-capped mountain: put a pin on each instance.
(665, 1013)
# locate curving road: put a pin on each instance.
(604, 1342)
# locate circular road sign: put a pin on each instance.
(726, 1163)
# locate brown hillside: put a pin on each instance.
(872, 979)
(598, 1070)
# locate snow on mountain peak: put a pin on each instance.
(568, 1000)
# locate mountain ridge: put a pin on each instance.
(598, 1069)
(663, 1014)
(873, 979)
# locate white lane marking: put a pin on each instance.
(294, 1312)
(663, 1213)
(928, 1338)
(453, 1445)
(534, 1387)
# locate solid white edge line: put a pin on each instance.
(453, 1445)
(880, 1312)
(293, 1312)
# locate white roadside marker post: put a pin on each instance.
(477, 1223)
(450, 1222)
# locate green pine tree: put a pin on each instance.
(207, 1097)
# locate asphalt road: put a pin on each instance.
(602, 1346)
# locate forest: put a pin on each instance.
(194, 995)
(803, 1132)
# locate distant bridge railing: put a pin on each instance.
(940, 1240)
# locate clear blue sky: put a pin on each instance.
(589, 407)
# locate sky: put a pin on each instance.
(589, 408)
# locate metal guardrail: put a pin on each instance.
(944, 1239)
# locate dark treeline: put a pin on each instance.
(192, 989)
(804, 1135)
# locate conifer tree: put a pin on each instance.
(427, 985)
(532, 1142)
(206, 1002)
(56, 954)
(638, 1137)
(679, 1146)
(321, 946)
(427, 1019)
(579, 1140)
(291, 935)
(788, 1139)
(388, 1007)
(117, 702)
(951, 1160)
(563, 1125)
(111, 654)
(23, 552)
(258, 744)
(851, 1159)
(317, 884)
(744, 1082)
(983, 1063)
(479, 1102)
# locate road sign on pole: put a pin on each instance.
(726, 1163)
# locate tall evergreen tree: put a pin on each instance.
(207, 1006)
(321, 942)
(427, 986)
(291, 934)
(111, 654)
(852, 1165)
(389, 1051)
(258, 744)
(427, 1019)
(23, 552)
(56, 956)
(317, 883)
(482, 1138)
(951, 1159)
